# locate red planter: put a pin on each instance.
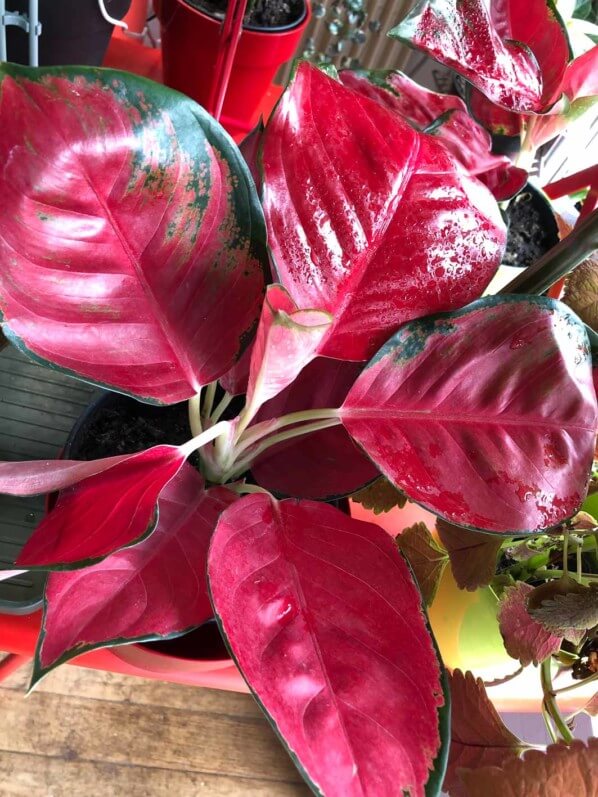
(189, 49)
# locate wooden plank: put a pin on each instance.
(36, 776)
(142, 736)
(114, 687)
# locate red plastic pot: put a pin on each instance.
(190, 46)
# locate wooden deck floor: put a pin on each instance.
(97, 734)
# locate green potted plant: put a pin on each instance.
(133, 255)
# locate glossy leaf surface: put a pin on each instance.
(487, 416)
(448, 121)
(36, 477)
(367, 218)
(326, 623)
(325, 464)
(478, 735)
(104, 513)
(155, 589)
(286, 341)
(131, 236)
(463, 35)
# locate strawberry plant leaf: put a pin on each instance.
(491, 411)
(426, 557)
(577, 610)
(524, 638)
(325, 622)
(154, 590)
(478, 735)
(380, 496)
(472, 554)
(561, 770)
(142, 222)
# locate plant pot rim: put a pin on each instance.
(254, 28)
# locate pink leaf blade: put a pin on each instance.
(287, 340)
(301, 588)
(153, 590)
(446, 412)
(373, 247)
(108, 511)
(37, 477)
(464, 37)
(141, 221)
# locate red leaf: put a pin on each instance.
(580, 86)
(562, 771)
(524, 638)
(155, 589)
(399, 93)
(494, 118)
(369, 219)
(235, 381)
(144, 237)
(472, 554)
(478, 735)
(46, 475)
(487, 417)
(286, 341)
(328, 629)
(479, 44)
(106, 512)
(325, 464)
(450, 123)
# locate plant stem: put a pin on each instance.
(195, 414)
(548, 723)
(220, 408)
(206, 437)
(576, 685)
(546, 573)
(550, 702)
(558, 261)
(578, 551)
(208, 401)
(257, 432)
(241, 466)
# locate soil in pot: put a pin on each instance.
(532, 229)
(204, 644)
(262, 14)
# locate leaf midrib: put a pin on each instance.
(433, 416)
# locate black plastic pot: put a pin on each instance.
(533, 229)
(73, 31)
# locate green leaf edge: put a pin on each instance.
(39, 672)
(487, 301)
(433, 785)
(214, 134)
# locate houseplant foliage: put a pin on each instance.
(133, 255)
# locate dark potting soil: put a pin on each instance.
(128, 426)
(529, 236)
(262, 13)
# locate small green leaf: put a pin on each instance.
(576, 609)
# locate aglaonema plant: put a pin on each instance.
(522, 77)
(133, 255)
